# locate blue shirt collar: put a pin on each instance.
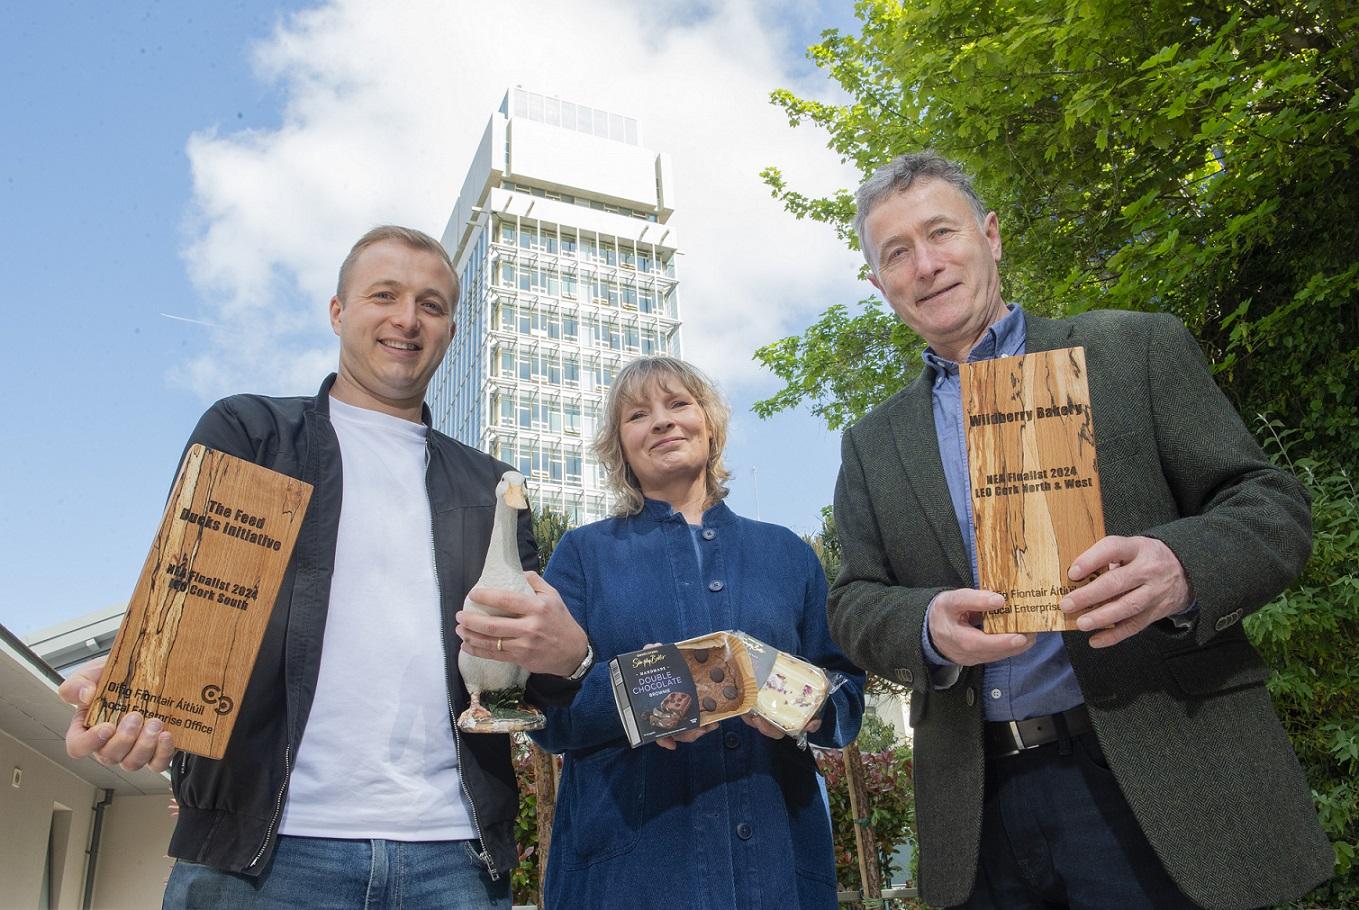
(715, 515)
(1004, 338)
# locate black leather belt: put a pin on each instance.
(1014, 736)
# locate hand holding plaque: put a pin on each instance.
(186, 647)
(1035, 482)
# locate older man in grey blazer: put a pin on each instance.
(1137, 762)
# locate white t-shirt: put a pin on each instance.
(377, 758)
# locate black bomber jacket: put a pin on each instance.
(229, 809)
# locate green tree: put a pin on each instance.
(1309, 636)
(548, 529)
(891, 808)
(1200, 159)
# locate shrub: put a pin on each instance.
(887, 780)
(1309, 636)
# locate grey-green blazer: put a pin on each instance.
(1183, 716)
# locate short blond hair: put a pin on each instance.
(628, 387)
(416, 240)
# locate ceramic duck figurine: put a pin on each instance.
(497, 687)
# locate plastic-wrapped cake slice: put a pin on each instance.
(791, 691)
(792, 694)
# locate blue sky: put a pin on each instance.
(213, 161)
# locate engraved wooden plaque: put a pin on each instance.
(195, 621)
(1035, 482)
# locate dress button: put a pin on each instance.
(995, 693)
(732, 740)
(744, 831)
(709, 533)
(714, 586)
(970, 696)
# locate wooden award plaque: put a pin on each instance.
(1035, 482)
(194, 624)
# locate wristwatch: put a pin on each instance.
(586, 663)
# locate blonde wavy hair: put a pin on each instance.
(628, 388)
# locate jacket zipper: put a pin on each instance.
(278, 802)
(484, 855)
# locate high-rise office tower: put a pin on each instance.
(567, 264)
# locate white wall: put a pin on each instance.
(607, 168)
(132, 867)
(26, 819)
(132, 862)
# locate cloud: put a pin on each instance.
(384, 105)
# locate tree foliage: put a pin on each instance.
(891, 809)
(549, 527)
(1309, 635)
(1200, 159)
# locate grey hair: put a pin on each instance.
(416, 240)
(628, 387)
(897, 175)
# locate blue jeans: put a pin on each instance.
(329, 874)
(1057, 832)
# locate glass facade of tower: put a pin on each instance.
(568, 272)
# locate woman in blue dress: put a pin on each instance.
(734, 814)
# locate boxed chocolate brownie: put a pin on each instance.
(676, 687)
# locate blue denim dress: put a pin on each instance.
(734, 819)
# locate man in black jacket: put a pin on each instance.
(346, 781)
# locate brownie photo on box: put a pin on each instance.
(668, 714)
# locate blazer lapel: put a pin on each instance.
(912, 420)
(1046, 334)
